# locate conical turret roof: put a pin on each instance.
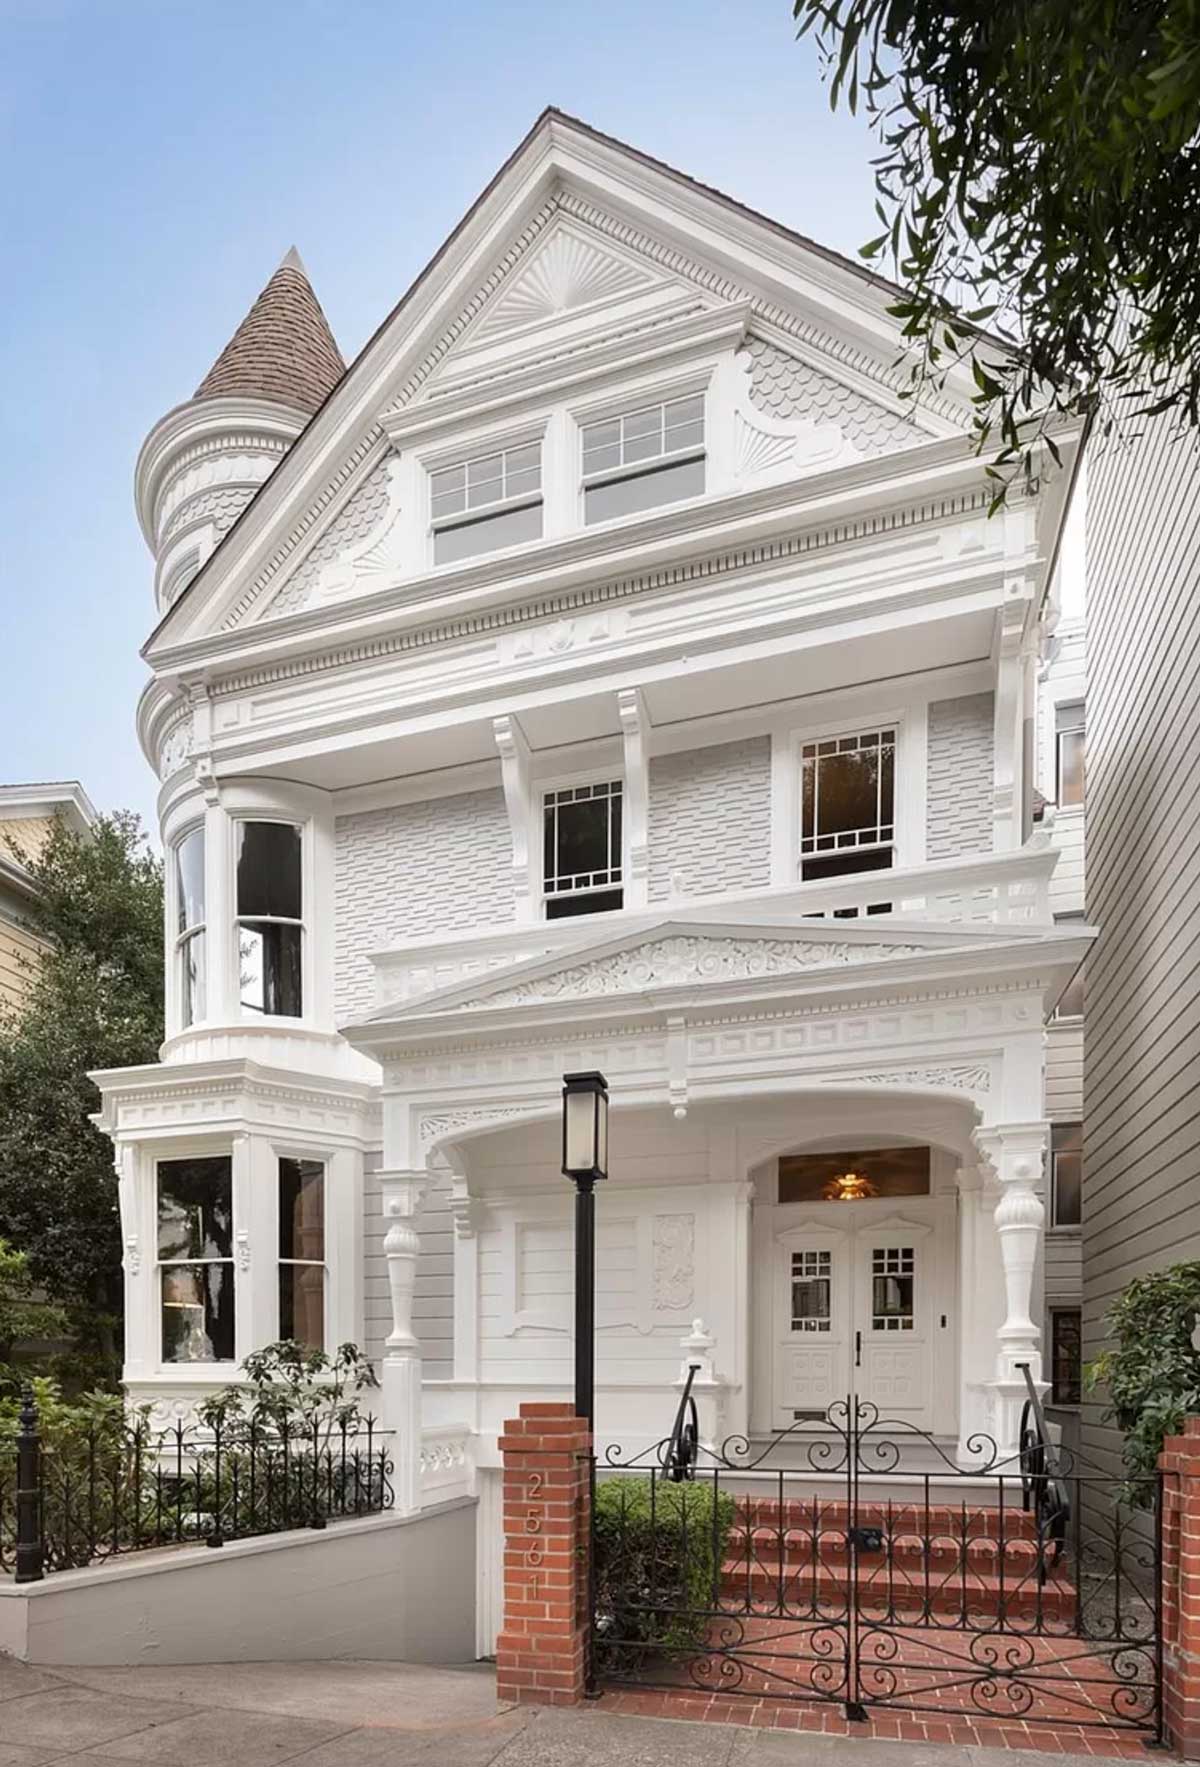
(282, 350)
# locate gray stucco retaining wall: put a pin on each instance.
(395, 1589)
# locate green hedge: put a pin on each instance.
(659, 1550)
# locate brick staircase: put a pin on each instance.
(941, 1562)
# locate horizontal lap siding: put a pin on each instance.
(959, 798)
(710, 820)
(1142, 1062)
(433, 1301)
(19, 953)
(414, 870)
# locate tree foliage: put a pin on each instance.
(1039, 174)
(95, 1002)
(1152, 1371)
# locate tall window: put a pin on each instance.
(195, 1259)
(302, 1252)
(1066, 1174)
(269, 924)
(1069, 741)
(1066, 1356)
(189, 926)
(848, 804)
(582, 849)
(643, 458)
(488, 501)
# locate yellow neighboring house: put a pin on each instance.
(27, 815)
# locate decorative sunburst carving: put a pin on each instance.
(568, 271)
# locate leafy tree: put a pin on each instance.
(95, 1002)
(1040, 173)
(1152, 1371)
(24, 1315)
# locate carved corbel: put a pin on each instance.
(635, 734)
(515, 773)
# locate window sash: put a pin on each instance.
(189, 881)
(191, 956)
(642, 439)
(1069, 767)
(556, 879)
(483, 484)
(1066, 1172)
(879, 829)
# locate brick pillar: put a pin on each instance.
(541, 1650)
(1180, 1463)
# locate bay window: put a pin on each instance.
(643, 458)
(302, 1252)
(190, 941)
(848, 817)
(270, 927)
(581, 851)
(195, 1259)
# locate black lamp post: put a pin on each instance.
(584, 1161)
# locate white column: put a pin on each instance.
(136, 1192)
(403, 1193)
(1014, 1155)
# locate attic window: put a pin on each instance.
(641, 459)
(486, 502)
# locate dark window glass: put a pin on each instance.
(811, 1281)
(189, 880)
(1066, 1174)
(268, 871)
(195, 1253)
(269, 959)
(1066, 1356)
(852, 1174)
(848, 804)
(581, 834)
(892, 1288)
(302, 1252)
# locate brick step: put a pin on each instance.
(974, 1520)
(797, 1546)
(981, 1593)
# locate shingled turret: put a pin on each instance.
(201, 465)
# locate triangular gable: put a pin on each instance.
(574, 219)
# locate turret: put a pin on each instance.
(203, 462)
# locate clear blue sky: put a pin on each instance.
(159, 157)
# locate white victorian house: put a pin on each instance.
(609, 669)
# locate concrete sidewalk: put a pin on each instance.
(381, 1715)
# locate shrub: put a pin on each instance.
(1152, 1371)
(659, 1551)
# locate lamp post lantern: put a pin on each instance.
(585, 1161)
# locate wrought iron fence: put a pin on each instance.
(70, 1498)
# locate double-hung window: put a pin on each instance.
(1066, 1174)
(189, 927)
(643, 458)
(487, 501)
(581, 847)
(1068, 746)
(302, 1252)
(195, 1259)
(270, 925)
(848, 814)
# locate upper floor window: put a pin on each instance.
(581, 865)
(643, 458)
(1070, 1001)
(488, 501)
(302, 1252)
(1066, 1174)
(1069, 739)
(195, 1259)
(848, 804)
(189, 927)
(270, 928)
(1066, 1356)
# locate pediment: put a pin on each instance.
(566, 270)
(669, 956)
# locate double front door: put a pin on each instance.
(858, 1309)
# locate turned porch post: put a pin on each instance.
(403, 1193)
(1013, 1157)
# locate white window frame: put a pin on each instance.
(467, 448)
(1055, 1225)
(1070, 719)
(303, 825)
(539, 789)
(166, 1154)
(624, 402)
(180, 939)
(910, 722)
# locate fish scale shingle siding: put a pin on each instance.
(1141, 1193)
(413, 870)
(710, 819)
(958, 815)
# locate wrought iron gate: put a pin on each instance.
(852, 1561)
